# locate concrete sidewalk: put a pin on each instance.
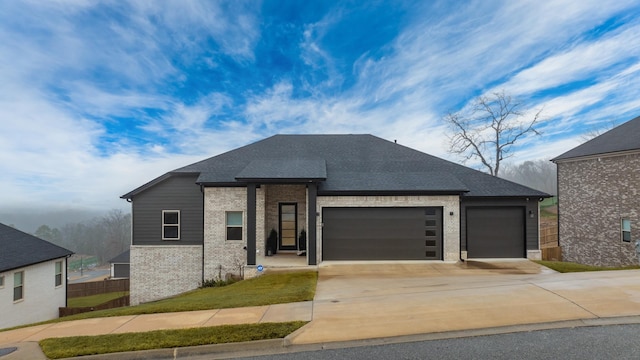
(354, 303)
(25, 339)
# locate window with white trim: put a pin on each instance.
(170, 224)
(625, 226)
(58, 273)
(234, 225)
(18, 286)
(1, 281)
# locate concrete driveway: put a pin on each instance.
(377, 300)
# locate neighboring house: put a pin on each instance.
(120, 266)
(599, 198)
(33, 278)
(357, 197)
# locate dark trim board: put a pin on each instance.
(382, 233)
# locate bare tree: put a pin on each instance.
(597, 131)
(487, 131)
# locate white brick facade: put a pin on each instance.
(41, 298)
(226, 256)
(165, 270)
(450, 226)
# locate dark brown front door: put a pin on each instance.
(288, 226)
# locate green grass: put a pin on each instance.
(267, 289)
(57, 348)
(566, 267)
(94, 300)
(549, 201)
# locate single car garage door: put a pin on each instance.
(495, 232)
(382, 233)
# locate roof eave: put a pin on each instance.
(389, 192)
(36, 263)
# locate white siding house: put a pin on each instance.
(33, 277)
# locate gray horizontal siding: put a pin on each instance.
(531, 224)
(175, 193)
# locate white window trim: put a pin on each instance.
(55, 277)
(178, 224)
(14, 287)
(622, 230)
(227, 226)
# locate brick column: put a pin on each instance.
(251, 224)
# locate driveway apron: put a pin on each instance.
(377, 300)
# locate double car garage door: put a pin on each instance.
(380, 233)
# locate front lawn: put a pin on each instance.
(267, 289)
(57, 348)
(565, 267)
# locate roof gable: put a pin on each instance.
(349, 163)
(20, 249)
(625, 137)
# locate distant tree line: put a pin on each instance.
(105, 236)
(538, 174)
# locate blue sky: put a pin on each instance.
(97, 98)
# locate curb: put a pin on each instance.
(618, 320)
(249, 347)
(280, 346)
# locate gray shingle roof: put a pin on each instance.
(123, 258)
(624, 137)
(354, 164)
(19, 249)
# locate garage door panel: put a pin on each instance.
(495, 232)
(375, 234)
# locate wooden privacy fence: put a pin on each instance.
(119, 302)
(552, 253)
(97, 287)
(548, 235)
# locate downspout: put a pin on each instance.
(202, 224)
(66, 281)
(460, 229)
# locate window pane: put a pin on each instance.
(626, 225)
(430, 223)
(430, 233)
(58, 267)
(234, 218)
(626, 236)
(1, 280)
(234, 233)
(170, 232)
(17, 279)
(171, 217)
(430, 211)
(17, 293)
(58, 279)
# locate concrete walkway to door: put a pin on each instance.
(378, 300)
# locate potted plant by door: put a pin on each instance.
(272, 243)
(302, 243)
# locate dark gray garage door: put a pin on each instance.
(382, 233)
(495, 232)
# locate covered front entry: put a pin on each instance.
(496, 232)
(382, 233)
